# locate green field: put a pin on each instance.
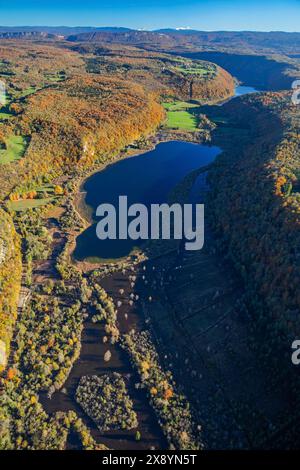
(187, 67)
(202, 71)
(181, 120)
(179, 115)
(20, 206)
(29, 91)
(5, 115)
(55, 77)
(15, 149)
(47, 187)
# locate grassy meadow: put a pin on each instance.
(15, 149)
(181, 116)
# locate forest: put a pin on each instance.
(265, 211)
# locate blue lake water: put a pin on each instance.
(147, 178)
(244, 90)
(240, 90)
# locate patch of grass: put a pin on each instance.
(29, 91)
(56, 78)
(47, 187)
(5, 115)
(15, 149)
(187, 67)
(193, 70)
(19, 95)
(181, 120)
(179, 115)
(23, 205)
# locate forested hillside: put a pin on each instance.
(80, 106)
(167, 39)
(10, 278)
(166, 74)
(262, 72)
(263, 60)
(255, 203)
(276, 41)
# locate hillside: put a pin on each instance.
(162, 73)
(10, 278)
(41, 108)
(260, 226)
(259, 59)
(271, 72)
(169, 39)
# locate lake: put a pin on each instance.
(244, 90)
(147, 178)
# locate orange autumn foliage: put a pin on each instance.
(168, 394)
(11, 373)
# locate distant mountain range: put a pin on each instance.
(60, 30)
(166, 39)
(68, 30)
(183, 40)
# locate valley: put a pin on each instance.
(200, 339)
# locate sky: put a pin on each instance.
(208, 15)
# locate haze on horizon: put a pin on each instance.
(204, 15)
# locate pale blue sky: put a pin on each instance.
(152, 14)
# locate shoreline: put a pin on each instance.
(85, 211)
(160, 136)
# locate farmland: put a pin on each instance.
(182, 115)
(181, 120)
(179, 115)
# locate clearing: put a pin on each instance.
(25, 204)
(180, 116)
(14, 149)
